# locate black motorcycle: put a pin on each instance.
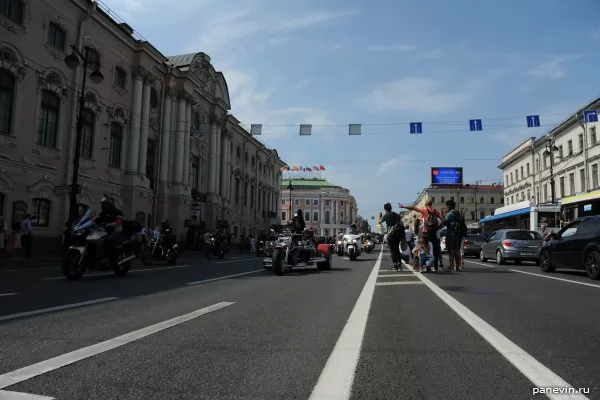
(162, 246)
(215, 247)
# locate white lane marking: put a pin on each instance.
(336, 379)
(555, 278)
(8, 294)
(57, 308)
(234, 261)
(26, 373)
(225, 277)
(131, 272)
(5, 395)
(398, 283)
(28, 269)
(536, 372)
(399, 275)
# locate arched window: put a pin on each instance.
(116, 145)
(12, 10)
(40, 214)
(48, 120)
(87, 137)
(328, 217)
(19, 210)
(7, 98)
(93, 58)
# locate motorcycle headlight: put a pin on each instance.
(353, 240)
(339, 242)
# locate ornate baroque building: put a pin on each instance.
(157, 133)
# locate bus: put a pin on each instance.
(523, 215)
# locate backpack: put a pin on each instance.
(432, 222)
(396, 230)
(460, 226)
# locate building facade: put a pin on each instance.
(328, 209)
(568, 154)
(156, 132)
(474, 201)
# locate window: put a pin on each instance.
(315, 202)
(528, 194)
(246, 158)
(327, 217)
(342, 203)
(481, 200)
(569, 230)
(116, 145)
(48, 121)
(196, 124)
(595, 176)
(93, 58)
(472, 215)
(433, 199)
(151, 161)
(19, 210)
(562, 186)
(492, 200)
(12, 10)
(517, 175)
(283, 202)
(296, 202)
(462, 199)
(40, 214)
(306, 216)
(307, 202)
(7, 96)
(581, 142)
(560, 152)
(506, 179)
(120, 77)
(253, 161)
(252, 196)
(56, 36)
(481, 214)
(528, 171)
(194, 168)
(572, 183)
(153, 98)
(237, 191)
(512, 199)
(511, 178)
(245, 194)
(327, 203)
(316, 216)
(522, 174)
(283, 216)
(593, 135)
(501, 200)
(523, 235)
(545, 192)
(87, 137)
(238, 152)
(443, 199)
(570, 147)
(2, 199)
(582, 183)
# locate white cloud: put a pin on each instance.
(392, 47)
(392, 164)
(413, 94)
(554, 69)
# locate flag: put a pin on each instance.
(315, 168)
(321, 168)
(308, 170)
(295, 168)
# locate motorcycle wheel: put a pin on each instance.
(71, 268)
(123, 269)
(221, 253)
(147, 258)
(172, 257)
(279, 264)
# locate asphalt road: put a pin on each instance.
(227, 329)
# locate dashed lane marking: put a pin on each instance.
(135, 271)
(225, 277)
(58, 308)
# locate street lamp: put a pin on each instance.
(290, 188)
(549, 152)
(73, 61)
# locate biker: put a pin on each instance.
(353, 230)
(109, 215)
(298, 224)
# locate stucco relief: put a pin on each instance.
(5, 181)
(47, 155)
(19, 28)
(12, 61)
(117, 114)
(54, 81)
(6, 144)
(92, 102)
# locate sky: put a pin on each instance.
(384, 64)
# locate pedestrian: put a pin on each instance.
(431, 216)
(395, 234)
(410, 240)
(453, 236)
(252, 244)
(424, 253)
(26, 238)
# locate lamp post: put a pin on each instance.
(73, 61)
(550, 149)
(290, 188)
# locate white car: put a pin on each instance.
(443, 244)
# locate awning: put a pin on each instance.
(581, 197)
(507, 214)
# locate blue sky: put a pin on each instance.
(383, 62)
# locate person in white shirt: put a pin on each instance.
(252, 244)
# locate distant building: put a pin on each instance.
(474, 201)
(328, 209)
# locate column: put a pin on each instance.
(134, 126)
(186, 145)
(212, 160)
(173, 140)
(179, 145)
(224, 164)
(218, 159)
(143, 146)
(166, 141)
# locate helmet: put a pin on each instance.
(353, 226)
(106, 199)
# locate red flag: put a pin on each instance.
(321, 168)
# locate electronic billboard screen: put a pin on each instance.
(447, 176)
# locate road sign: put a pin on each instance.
(355, 129)
(475, 125)
(416, 128)
(256, 129)
(590, 116)
(533, 121)
(305, 130)
(65, 189)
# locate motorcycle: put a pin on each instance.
(215, 248)
(156, 249)
(352, 245)
(294, 250)
(368, 246)
(89, 251)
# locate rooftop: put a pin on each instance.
(309, 184)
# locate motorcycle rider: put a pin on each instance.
(353, 230)
(109, 215)
(298, 225)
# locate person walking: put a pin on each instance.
(395, 234)
(252, 244)
(430, 228)
(453, 236)
(26, 238)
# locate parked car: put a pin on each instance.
(515, 245)
(472, 245)
(576, 246)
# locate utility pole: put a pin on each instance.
(476, 191)
(549, 152)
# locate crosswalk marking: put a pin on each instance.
(399, 283)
